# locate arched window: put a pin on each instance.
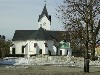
(46, 45)
(49, 52)
(40, 52)
(67, 52)
(35, 44)
(23, 49)
(60, 52)
(13, 50)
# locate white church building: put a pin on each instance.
(42, 41)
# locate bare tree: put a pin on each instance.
(78, 16)
(4, 46)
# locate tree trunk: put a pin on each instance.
(93, 48)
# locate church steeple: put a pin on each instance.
(45, 12)
(44, 19)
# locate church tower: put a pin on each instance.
(44, 20)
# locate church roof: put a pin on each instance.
(22, 34)
(40, 34)
(44, 12)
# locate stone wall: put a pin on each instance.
(50, 60)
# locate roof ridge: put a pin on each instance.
(40, 34)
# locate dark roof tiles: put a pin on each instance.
(22, 34)
(40, 34)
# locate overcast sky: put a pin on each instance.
(24, 14)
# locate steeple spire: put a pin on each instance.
(44, 19)
(44, 12)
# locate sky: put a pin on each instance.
(24, 14)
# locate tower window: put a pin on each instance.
(40, 25)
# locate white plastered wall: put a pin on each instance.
(41, 46)
(18, 46)
(64, 51)
(42, 20)
(11, 48)
(50, 44)
(69, 52)
(31, 50)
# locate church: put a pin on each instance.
(42, 41)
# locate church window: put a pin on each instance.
(46, 45)
(67, 52)
(60, 52)
(23, 49)
(40, 51)
(49, 52)
(35, 44)
(13, 50)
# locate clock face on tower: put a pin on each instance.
(44, 24)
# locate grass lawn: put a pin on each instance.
(48, 70)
